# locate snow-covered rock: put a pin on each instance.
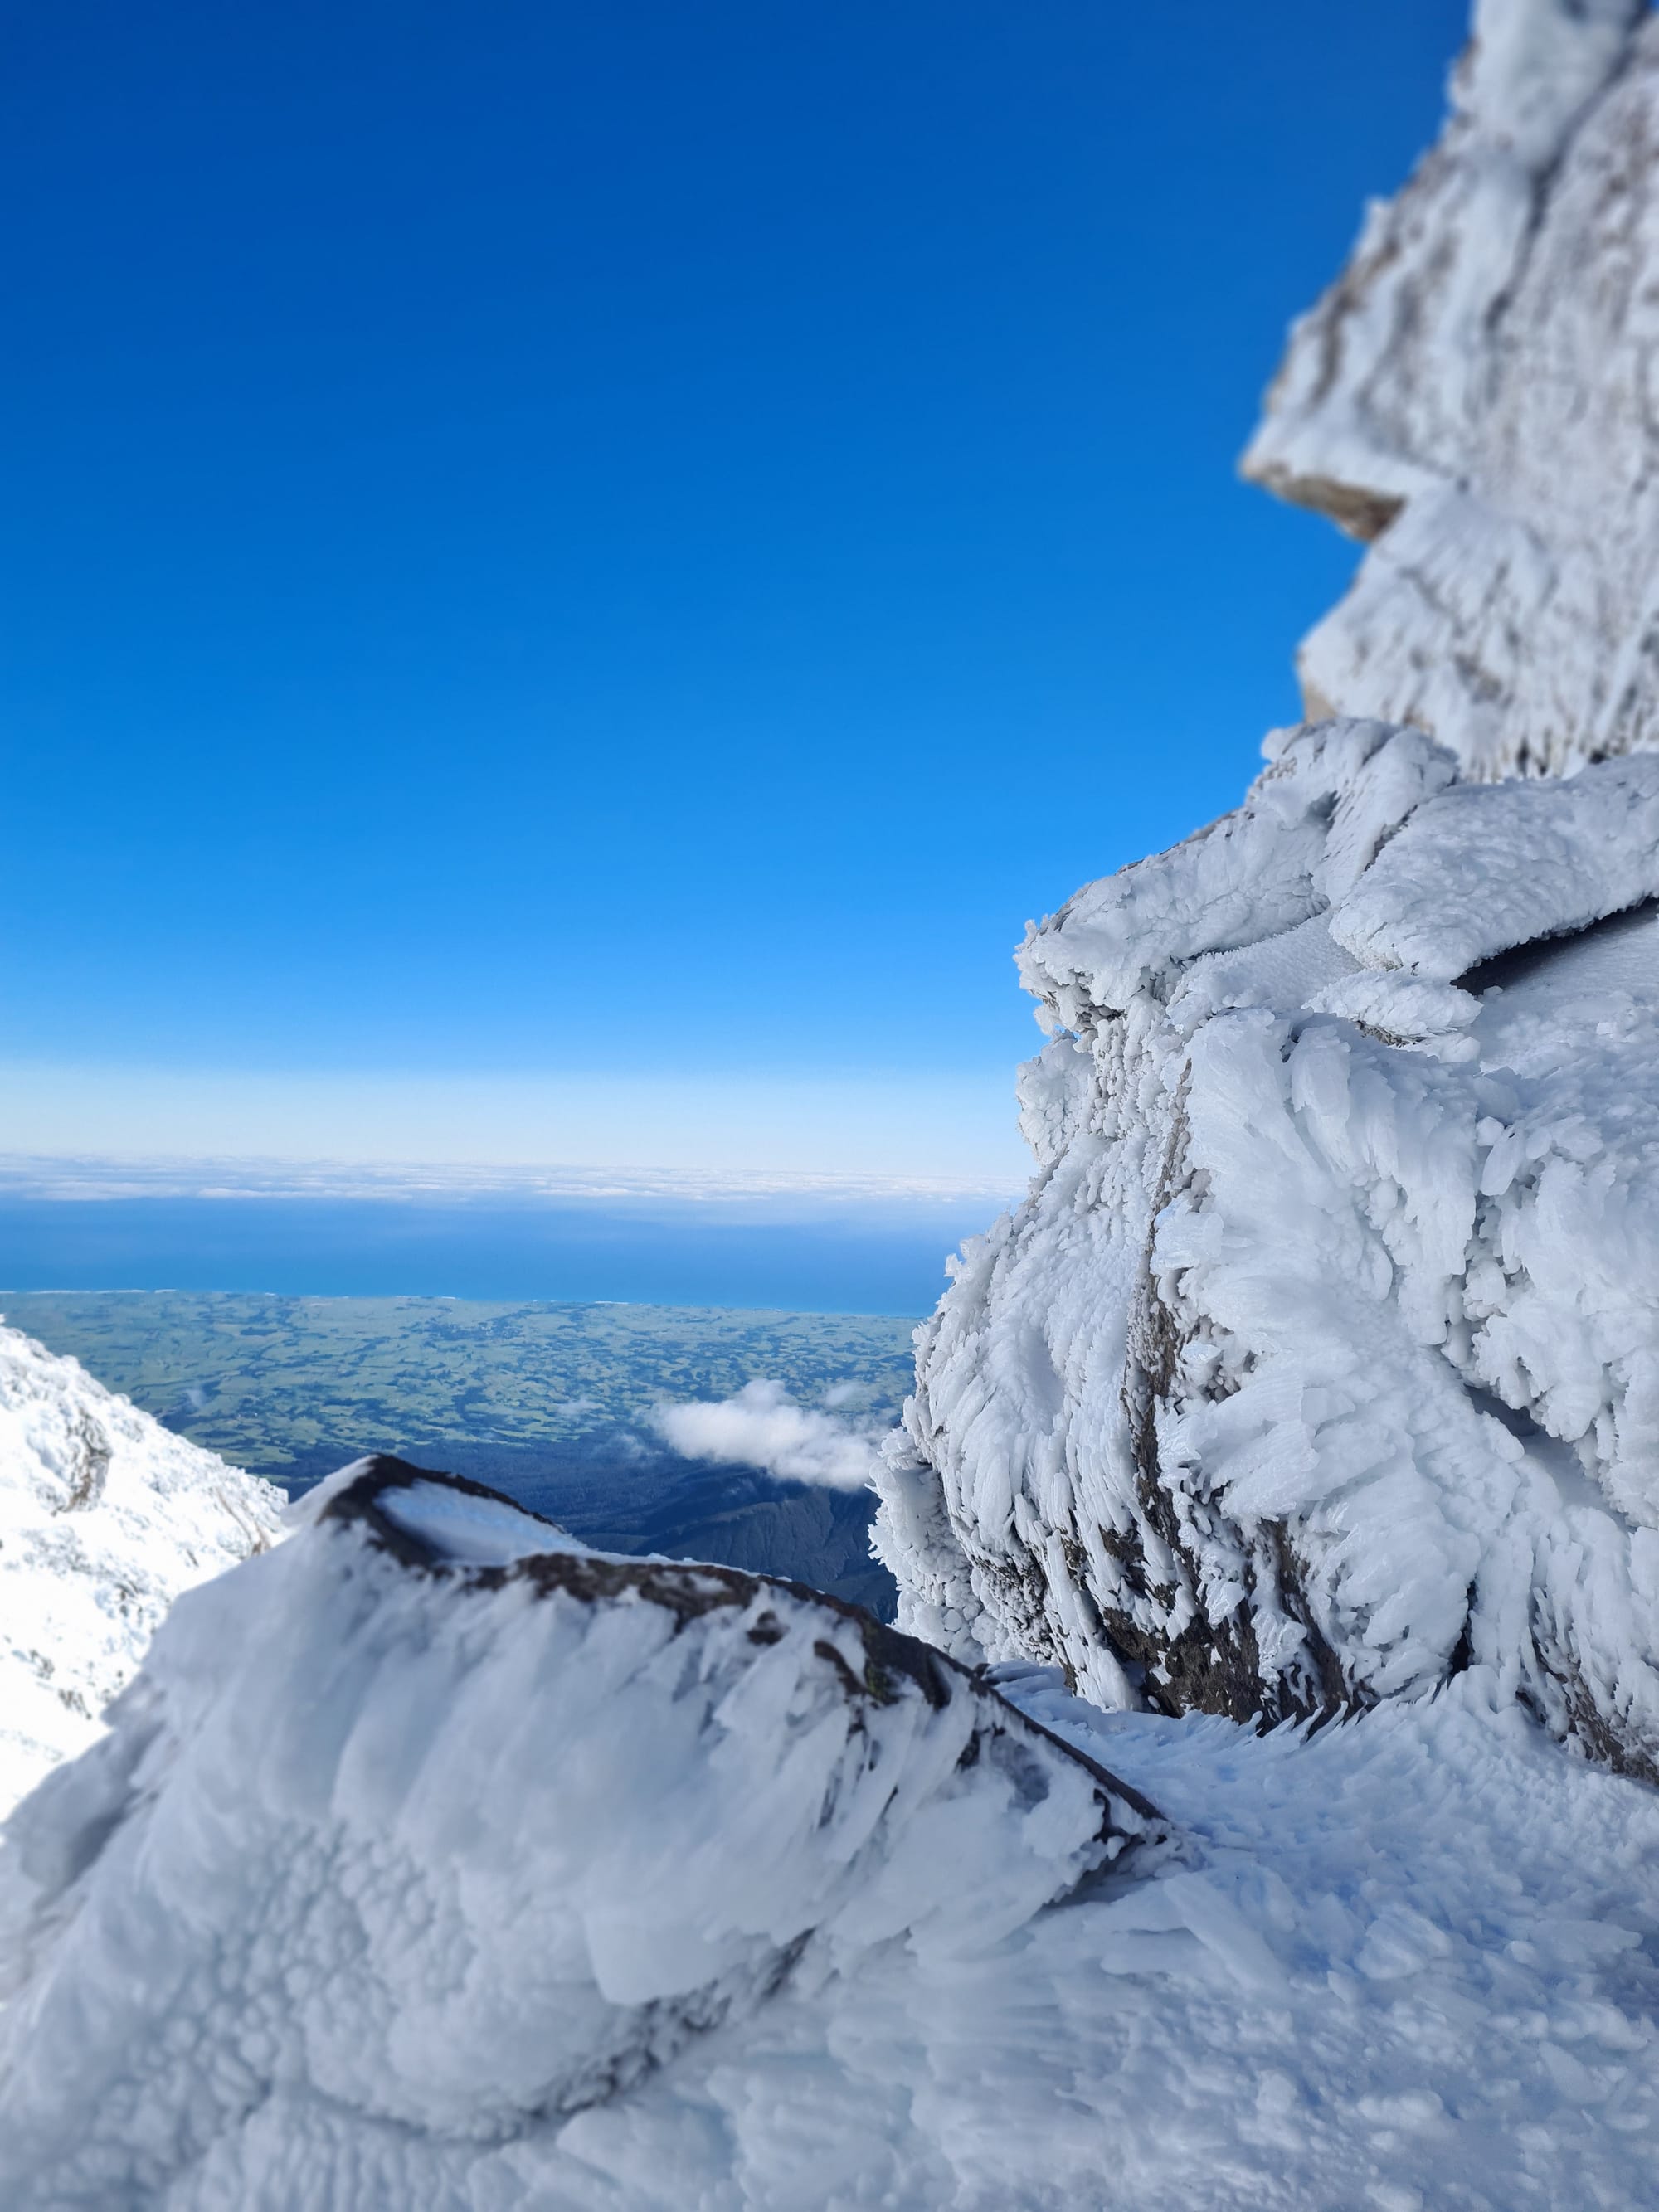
(1476, 397)
(1323, 1362)
(105, 1516)
(487, 1889)
(431, 1828)
(435, 1860)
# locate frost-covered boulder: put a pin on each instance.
(432, 1828)
(1323, 1361)
(1475, 396)
(105, 1516)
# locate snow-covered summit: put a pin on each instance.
(432, 1828)
(1475, 395)
(105, 1516)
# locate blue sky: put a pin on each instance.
(607, 558)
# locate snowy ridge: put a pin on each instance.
(1323, 1361)
(433, 1828)
(435, 1860)
(105, 1517)
(1474, 396)
(430, 1933)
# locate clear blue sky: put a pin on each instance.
(546, 542)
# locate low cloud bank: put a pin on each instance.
(762, 1426)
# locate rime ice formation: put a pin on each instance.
(105, 1516)
(1322, 1363)
(1476, 396)
(432, 1828)
(433, 1860)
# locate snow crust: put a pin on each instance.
(1407, 1964)
(1474, 396)
(432, 1860)
(429, 1829)
(1324, 1360)
(105, 1517)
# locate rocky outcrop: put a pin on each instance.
(105, 1517)
(1322, 1363)
(1476, 399)
(434, 1828)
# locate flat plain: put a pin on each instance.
(549, 1403)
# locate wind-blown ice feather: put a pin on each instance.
(105, 1517)
(435, 1821)
(1473, 397)
(1323, 1362)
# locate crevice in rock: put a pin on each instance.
(1521, 963)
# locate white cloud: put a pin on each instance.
(782, 1194)
(848, 1397)
(938, 1126)
(762, 1426)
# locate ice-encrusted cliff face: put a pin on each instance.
(105, 1517)
(1322, 1363)
(432, 1828)
(1479, 396)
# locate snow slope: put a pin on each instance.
(1475, 395)
(105, 1516)
(432, 1828)
(435, 1860)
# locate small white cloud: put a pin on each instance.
(762, 1426)
(848, 1397)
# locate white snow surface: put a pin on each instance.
(432, 1862)
(428, 1831)
(105, 1517)
(1475, 395)
(1324, 1360)
(401, 1893)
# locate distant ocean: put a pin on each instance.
(865, 1260)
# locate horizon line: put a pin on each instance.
(92, 1177)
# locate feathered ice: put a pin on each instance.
(105, 1517)
(1322, 1363)
(1474, 396)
